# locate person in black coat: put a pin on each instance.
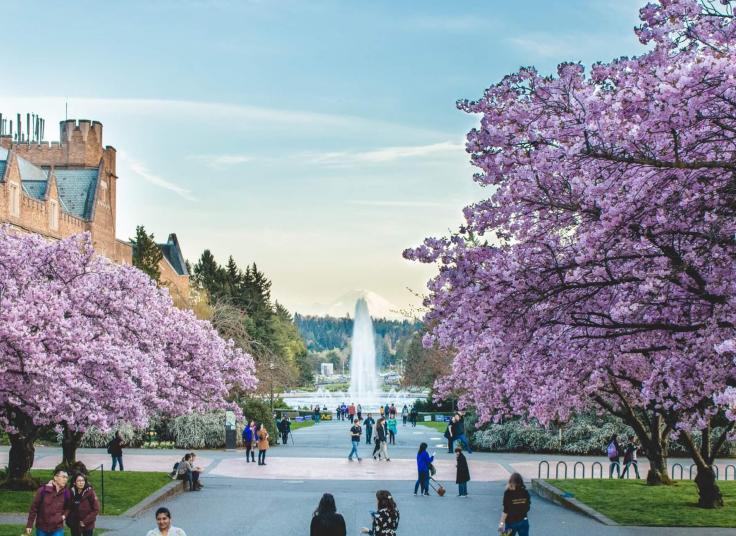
(326, 521)
(463, 473)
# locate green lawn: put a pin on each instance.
(122, 490)
(295, 425)
(632, 502)
(439, 426)
(17, 530)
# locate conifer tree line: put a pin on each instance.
(242, 308)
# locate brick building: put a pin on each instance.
(67, 187)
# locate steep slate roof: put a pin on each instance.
(77, 190)
(76, 187)
(173, 254)
(36, 189)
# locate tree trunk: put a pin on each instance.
(70, 441)
(657, 474)
(709, 494)
(22, 452)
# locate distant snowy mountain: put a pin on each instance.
(378, 306)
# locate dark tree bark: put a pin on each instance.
(22, 452)
(709, 494)
(69, 444)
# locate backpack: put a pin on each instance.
(612, 450)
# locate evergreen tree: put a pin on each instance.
(146, 254)
(209, 275)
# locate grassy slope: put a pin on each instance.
(439, 426)
(632, 502)
(303, 424)
(122, 490)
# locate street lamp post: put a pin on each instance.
(271, 366)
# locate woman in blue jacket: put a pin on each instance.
(423, 461)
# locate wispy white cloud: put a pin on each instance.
(396, 204)
(385, 154)
(219, 161)
(143, 172)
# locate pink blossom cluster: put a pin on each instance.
(601, 271)
(86, 342)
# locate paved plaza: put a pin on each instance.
(242, 498)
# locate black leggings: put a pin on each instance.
(262, 457)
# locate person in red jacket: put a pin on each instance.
(83, 509)
(50, 507)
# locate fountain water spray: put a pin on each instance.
(363, 377)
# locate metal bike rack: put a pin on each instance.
(575, 469)
(674, 466)
(557, 469)
(733, 469)
(539, 469)
(600, 468)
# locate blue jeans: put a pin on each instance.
(40, 532)
(422, 481)
(119, 460)
(355, 450)
(462, 488)
(520, 528)
(464, 441)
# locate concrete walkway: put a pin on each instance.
(242, 498)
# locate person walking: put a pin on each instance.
(630, 458)
(359, 411)
(413, 416)
(613, 451)
(165, 528)
(386, 518)
(316, 414)
(449, 434)
(368, 425)
(462, 476)
(50, 507)
(285, 429)
(385, 411)
(249, 436)
(355, 432)
(404, 415)
(115, 449)
(325, 520)
(392, 411)
(423, 462)
(83, 509)
(458, 432)
(262, 445)
(351, 413)
(343, 411)
(381, 438)
(516, 505)
(381, 410)
(391, 425)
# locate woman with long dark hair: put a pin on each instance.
(84, 507)
(325, 520)
(386, 518)
(423, 462)
(516, 504)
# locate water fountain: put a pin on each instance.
(363, 377)
(365, 386)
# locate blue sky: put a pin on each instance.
(317, 138)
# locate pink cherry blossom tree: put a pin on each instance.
(600, 272)
(85, 342)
